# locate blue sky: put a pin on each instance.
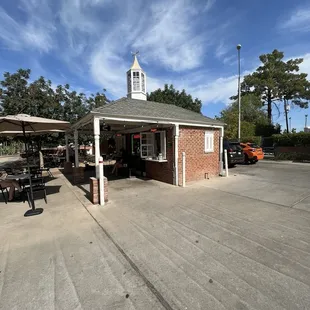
(189, 43)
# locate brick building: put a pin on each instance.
(156, 135)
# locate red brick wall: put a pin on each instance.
(94, 190)
(163, 171)
(198, 163)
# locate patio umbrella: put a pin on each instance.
(27, 125)
(16, 133)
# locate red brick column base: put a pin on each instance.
(78, 175)
(94, 190)
(68, 167)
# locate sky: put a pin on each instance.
(188, 43)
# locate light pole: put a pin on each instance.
(239, 94)
(290, 123)
(306, 118)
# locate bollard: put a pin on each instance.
(183, 169)
(101, 182)
(226, 163)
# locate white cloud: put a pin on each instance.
(305, 65)
(34, 33)
(298, 21)
(170, 38)
(209, 5)
(166, 35)
(221, 50)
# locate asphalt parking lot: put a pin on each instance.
(286, 184)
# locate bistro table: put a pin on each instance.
(21, 176)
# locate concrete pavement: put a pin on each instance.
(234, 243)
(241, 242)
(61, 259)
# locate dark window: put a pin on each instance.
(235, 146)
(253, 145)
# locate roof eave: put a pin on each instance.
(157, 119)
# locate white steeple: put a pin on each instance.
(136, 80)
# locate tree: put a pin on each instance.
(252, 115)
(170, 95)
(39, 98)
(98, 100)
(14, 92)
(277, 81)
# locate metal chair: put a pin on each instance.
(38, 185)
(3, 193)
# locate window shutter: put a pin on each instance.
(209, 142)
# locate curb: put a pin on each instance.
(283, 162)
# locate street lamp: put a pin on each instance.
(239, 94)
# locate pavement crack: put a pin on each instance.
(148, 283)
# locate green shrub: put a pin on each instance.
(292, 139)
(292, 156)
(12, 149)
(253, 139)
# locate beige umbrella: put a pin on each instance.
(16, 133)
(25, 122)
(27, 125)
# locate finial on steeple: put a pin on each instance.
(135, 64)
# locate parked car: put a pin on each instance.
(234, 153)
(252, 152)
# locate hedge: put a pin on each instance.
(253, 139)
(292, 139)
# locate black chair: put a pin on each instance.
(8, 170)
(47, 169)
(38, 185)
(3, 193)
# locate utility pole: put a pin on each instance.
(306, 119)
(290, 119)
(286, 112)
(239, 94)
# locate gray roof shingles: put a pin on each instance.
(126, 107)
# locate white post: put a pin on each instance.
(226, 162)
(183, 169)
(101, 181)
(176, 154)
(221, 150)
(97, 144)
(76, 148)
(67, 149)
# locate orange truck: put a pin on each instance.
(252, 152)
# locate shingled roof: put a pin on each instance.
(134, 108)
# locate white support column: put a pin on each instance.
(97, 145)
(76, 148)
(67, 148)
(176, 154)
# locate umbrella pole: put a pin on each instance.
(33, 210)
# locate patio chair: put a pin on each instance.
(8, 170)
(45, 166)
(38, 185)
(3, 193)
